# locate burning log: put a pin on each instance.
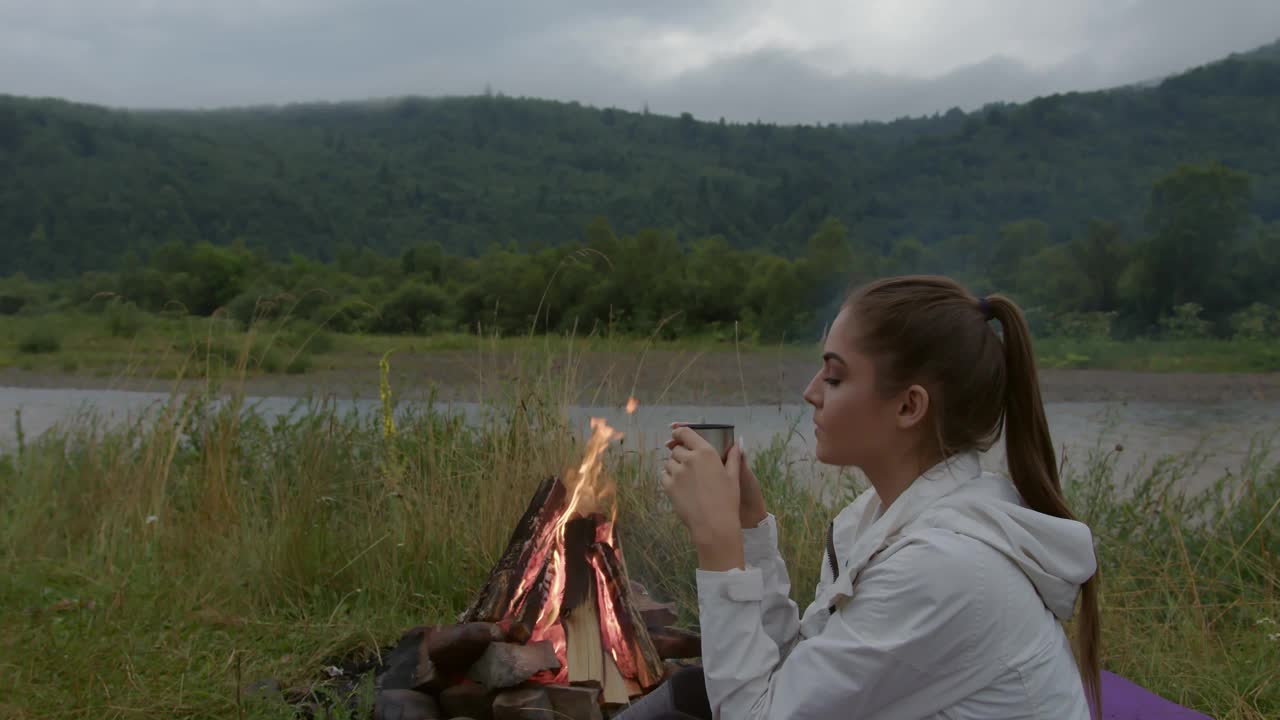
(644, 663)
(534, 527)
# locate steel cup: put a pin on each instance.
(720, 436)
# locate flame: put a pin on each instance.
(632, 404)
(590, 492)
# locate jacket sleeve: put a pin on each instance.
(905, 644)
(779, 615)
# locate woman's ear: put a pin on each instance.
(913, 407)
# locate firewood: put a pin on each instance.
(645, 665)
(674, 643)
(579, 534)
(535, 598)
(495, 596)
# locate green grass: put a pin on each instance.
(153, 570)
(125, 340)
(128, 342)
(1204, 355)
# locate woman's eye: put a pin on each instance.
(831, 381)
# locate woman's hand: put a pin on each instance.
(705, 495)
(751, 506)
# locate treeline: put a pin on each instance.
(81, 186)
(1200, 264)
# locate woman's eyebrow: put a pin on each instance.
(833, 356)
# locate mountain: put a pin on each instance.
(82, 187)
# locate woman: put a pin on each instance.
(943, 590)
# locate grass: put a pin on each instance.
(128, 342)
(1202, 355)
(123, 339)
(156, 568)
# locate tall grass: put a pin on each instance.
(154, 568)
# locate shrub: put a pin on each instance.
(1256, 322)
(124, 319)
(1185, 323)
(41, 340)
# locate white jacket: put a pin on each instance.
(947, 605)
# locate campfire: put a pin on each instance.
(557, 628)
(562, 581)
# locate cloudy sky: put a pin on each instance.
(782, 60)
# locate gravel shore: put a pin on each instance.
(657, 377)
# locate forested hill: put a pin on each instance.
(80, 186)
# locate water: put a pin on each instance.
(1221, 433)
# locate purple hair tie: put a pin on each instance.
(984, 307)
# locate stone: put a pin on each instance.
(505, 665)
(455, 648)
(400, 666)
(523, 704)
(404, 705)
(673, 642)
(468, 700)
(579, 703)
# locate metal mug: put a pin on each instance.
(720, 436)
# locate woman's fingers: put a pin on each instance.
(671, 467)
(681, 454)
(690, 439)
(733, 463)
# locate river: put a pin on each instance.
(1219, 432)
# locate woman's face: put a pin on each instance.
(854, 423)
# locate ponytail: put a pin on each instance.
(1033, 468)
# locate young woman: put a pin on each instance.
(943, 591)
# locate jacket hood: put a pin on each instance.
(1056, 554)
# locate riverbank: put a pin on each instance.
(157, 569)
(604, 377)
(71, 350)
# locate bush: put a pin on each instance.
(1185, 323)
(124, 319)
(1256, 322)
(1080, 325)
(415, 307)
(11, 303)
(39, 341)
(303, 335)
(259, 304)
(351, 315)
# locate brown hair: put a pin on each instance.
(929, 330)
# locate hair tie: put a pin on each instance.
(984, 307)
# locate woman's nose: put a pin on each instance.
(813, 393)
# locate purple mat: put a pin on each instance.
(1123, 700)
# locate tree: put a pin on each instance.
(1017, 242)
(1101, 259)
(1194, 221)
